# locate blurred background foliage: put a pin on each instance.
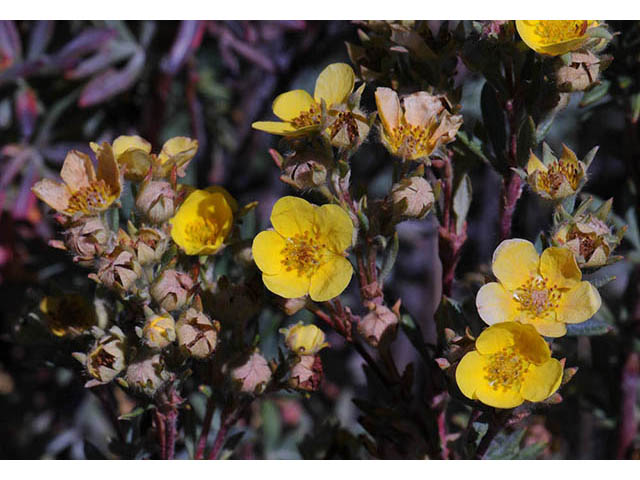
(63, 84)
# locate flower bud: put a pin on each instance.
(147, 374)
(412, 197)
(580, 74)
(106, 359)
(172, 290)
(557, 178)
(304, 339)
(305, 175)
(156, 200)
(151, 244)
(307, 373)
(87, 238)
(589, 237)
(159, 331)
(253, 375)
(380, 322)
(291, 306)
(68, 315)
(119, 270)
(197, 334)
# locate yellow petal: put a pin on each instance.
(535, 165)
(266, 250)
(388, 108)
(494, 339)
(334, 84)
(289, 105)
(179, 150)
(550, 328)
(527, 31)
(77, 171)
(559, 266)
(54, 194)
(514, 262)
(470, 373)
(579, 304)
(499, 398)
(287, 284)
(330, 279)
(495, 304)
(335, 227)
(108, 168)
(529, 343)
(129, 142)
(420, 107)
(541, 381)
(293, 215)
(275, 128)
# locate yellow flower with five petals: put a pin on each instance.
(554, 37)
(300, 112)
(511, 364)
(545, 291)
(305, 253)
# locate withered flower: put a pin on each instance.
(82, 190)
(197, 334)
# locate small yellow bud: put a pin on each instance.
(304, 339)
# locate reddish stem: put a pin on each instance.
(511, 191)
(628, 424)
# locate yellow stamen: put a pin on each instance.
(202, 231)
(559, 171)
(95, 197)
(537, 297)
(411, 140)
(303, 253)
(558, 31)
(505, 369)
(308, 118)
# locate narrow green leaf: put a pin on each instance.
(462, 201)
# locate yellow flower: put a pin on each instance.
(306, 252)
(83, 191)
(68, 314)
(554, 37)
(304, 339)
(511, 364)
(203, 221)
(176, 151)
(545, 291)
(159, 331)
(300, 112)
(559, 178)
(415, 129)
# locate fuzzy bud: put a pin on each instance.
(412, 197)
(253, 375)
(307, 373)
(119, 270)
(172, 290)
(147, 374)
(304, 339)
(197, 334)
(580, 74)
(380, 322)
(87, 238)
(156, 200)
(106, 359)
(159, 331)
(151, 244)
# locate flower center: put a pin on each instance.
(95, 197)
(303, 253)
(587, 242)
(411, 140)
(506, 369)
(558, 31)
(559, 172)
(203, 231)
(308, 118)
(537, 297)
(101, 358)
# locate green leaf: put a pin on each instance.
(593, 326)
(462, 201)
(635, 107)
(132, 414)
(595, 94)
(493, 119)
(391, 254)
(526, 140)
(505, 446)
